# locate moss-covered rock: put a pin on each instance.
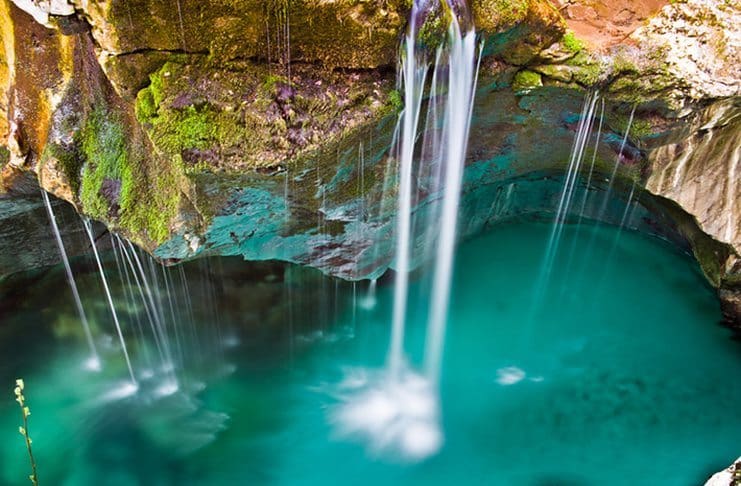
(526, 80)
(518, 31)
(248, 117)
(345, 33)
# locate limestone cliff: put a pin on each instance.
(262, 128)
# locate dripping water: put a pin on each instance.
(109, 298)
(94, 362)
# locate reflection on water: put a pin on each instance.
(622, 377)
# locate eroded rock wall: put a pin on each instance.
(263, 128)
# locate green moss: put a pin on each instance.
(271, 80)
(395, 100)
(505, 12)
(571, 42)
(152, 204)
(526, 80)
(4, 156)
(587, 70)
(433, 30)
(622, 64)
(732, 281)
(145, 107)
(639, 127)
(69, 161)
(106, 154)
(148, 198)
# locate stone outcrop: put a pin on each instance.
(730, 476)
(262, 128)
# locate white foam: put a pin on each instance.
(121, 391)
(510, 375)
(397, 419)
(367, 303)
(167, 388)
(92, 364)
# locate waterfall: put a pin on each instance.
(413, 71)
(109, 298)
(618, 159)
(94, 361)
(396, 411)
(459, 105)
(583, 133)
(442, 162)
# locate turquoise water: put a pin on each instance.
(621, 376)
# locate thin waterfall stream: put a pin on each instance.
(94, 362)
(89, 231)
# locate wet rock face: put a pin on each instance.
(699, 167)
(24, 225)
(251, 116)
(351, 34)
(269, 136)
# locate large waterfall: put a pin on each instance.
(396, 411)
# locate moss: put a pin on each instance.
(4, 156)
(145, 107)
(69, 160)
(526, 80)
(587, 70)
(639, 128)
(395, 100)
(494, 15)
(148, 197)
(433, 31)
(623, 64)
(571, 43)
(160, 208)
(731, 281)
(106, 154)
(272, 80)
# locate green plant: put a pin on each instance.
(571, 42)
(21, 399)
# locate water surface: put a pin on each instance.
(621, 375)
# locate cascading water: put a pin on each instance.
(109, 298)
(414, 67)
(459, 105)
(583, 133)
(396, 411)
(578, 149)
(94, 362)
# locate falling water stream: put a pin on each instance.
(89, 231)
(94, 361)
(396, 411)
(629, 368)
(414, 68)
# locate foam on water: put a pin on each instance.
(395, 417)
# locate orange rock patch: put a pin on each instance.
(605, 23)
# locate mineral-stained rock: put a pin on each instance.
(246, 116)
(262, 128)
(355, 34)
(699, 167)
